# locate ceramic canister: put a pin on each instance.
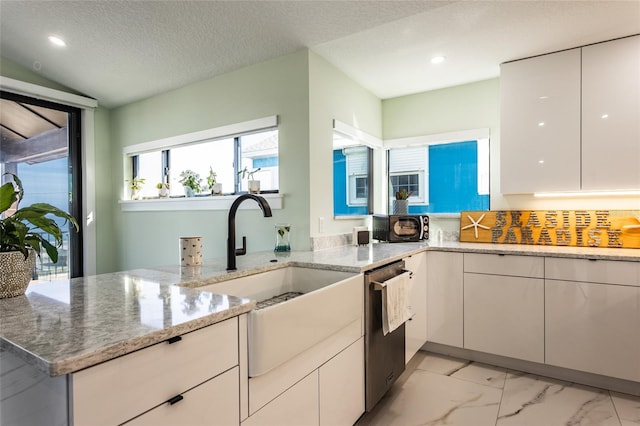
(190, 251)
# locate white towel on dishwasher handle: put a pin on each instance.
(396, 309)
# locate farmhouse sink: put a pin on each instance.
(297, 308)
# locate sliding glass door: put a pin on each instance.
(40, 143)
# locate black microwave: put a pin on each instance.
(400, 228)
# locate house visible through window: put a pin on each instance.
(442, 177)
(351, 176)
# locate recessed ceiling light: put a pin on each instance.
(437, 59)
(57, 41)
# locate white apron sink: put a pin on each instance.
(330, 301)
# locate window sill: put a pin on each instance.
(220, 202)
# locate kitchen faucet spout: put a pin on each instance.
(232, 251)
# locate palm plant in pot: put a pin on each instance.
(22, 237)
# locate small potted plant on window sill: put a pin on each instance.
(135, 185)
(214, 186)
(23, 236)
(253, 185)
(401, 203)
(191, 182)
(163, 189)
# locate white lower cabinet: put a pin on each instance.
(445, 298)
(212, 403)
(332, 394)
(592, 322)
(504, 316)
(416, 327)
(504, 305)
(298, 406)
(118, 390)
(342, 387)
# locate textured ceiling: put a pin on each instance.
(122, 51)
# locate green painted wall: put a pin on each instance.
(333, 95)
(276, 87)
(10, 69)
(103, 214)
(464, 107)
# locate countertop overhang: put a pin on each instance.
(65, 326)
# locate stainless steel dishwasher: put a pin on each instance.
(384, 355)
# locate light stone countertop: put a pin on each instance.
(65, 326)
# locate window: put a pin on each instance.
(352, 170)
(442, 177)
(225, 151)
(351, 177)
(407, 169)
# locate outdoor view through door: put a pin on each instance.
(40, 143)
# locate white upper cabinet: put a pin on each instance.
(570, 120)
(611, 115)
(540, 124)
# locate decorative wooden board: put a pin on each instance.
(579, 228)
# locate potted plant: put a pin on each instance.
(135, 185)
(191, 182)
(253, 185)
(401, 203)
(163, 189)
(214, 186)
(22, 236)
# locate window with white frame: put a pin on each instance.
(357, 158)
(443, 177)
(353, 153)
(407, 170)
(224, 151)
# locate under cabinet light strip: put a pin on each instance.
(585, 194)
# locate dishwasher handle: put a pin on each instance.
(378, 286)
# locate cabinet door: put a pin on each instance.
(593, 327)
(444, 298)
(504, 315)
(540, 124)
(215, 402)
(611, 115)
(118, 390)
(416, 327)
(298, 406)
(342, 387)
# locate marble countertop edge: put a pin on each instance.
(75, 363)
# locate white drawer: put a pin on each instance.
(593, 271)
(215, 402)
(117, 390)
(498, 264)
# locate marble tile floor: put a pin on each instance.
(440, 390)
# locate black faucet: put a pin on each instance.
(232, 251)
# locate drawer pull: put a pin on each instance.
(175, 399)
(174, 339)
(592, 260)
(500, 254)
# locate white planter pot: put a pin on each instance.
(254, 186)
(217, 189)
(16, 272)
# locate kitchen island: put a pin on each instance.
(59, 330)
